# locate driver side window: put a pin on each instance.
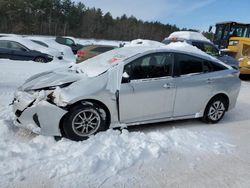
(16, 46)
(150, 66)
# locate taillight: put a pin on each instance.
(80, 53)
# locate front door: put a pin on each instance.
(148, 91)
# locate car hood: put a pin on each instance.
(228, 60)
(50, 78)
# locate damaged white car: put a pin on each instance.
(127, 86)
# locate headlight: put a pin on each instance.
(54, 87)
(233, 42)
(50, 56)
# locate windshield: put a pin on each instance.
(207, 47)
(101, 63)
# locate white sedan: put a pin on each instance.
(65, 51)
(127, 86)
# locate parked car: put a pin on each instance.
(10, 49)
(144, 42)
(131, 86)
(69, 41)
(91, 51)
(33, 46)
(8, 35)
(198, 40)
(65, 51)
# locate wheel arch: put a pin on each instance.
(83, 102)
(222, 95)
(40, 56)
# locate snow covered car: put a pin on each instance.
(65, 51)
(198, 40)
(127, 86)
(28, 44)
(15, 51)
(90, 51)
(69, 41)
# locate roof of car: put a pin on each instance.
(188, 35)
(143, 42)
(101, 63)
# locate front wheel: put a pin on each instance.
(215, 110)
(83, 121)
(40, 60)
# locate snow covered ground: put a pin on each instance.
(174, 154)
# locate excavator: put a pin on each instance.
(234, 39)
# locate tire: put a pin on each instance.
(82, 121)
(40, 60)
(215, 110)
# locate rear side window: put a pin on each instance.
(217, 67)
(102, 49)
(193, 65)
(40, 43)
(189, 64)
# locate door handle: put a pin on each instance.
(209, 81)
(168, 86)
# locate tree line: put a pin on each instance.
(65, 17)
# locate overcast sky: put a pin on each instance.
(196, 14)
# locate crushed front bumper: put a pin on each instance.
(39, 116)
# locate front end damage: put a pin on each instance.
(36, 112)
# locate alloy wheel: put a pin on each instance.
(86, 122)
(216, 110)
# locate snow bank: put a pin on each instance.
(188, 35)
(95, 159)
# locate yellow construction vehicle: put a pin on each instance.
(234, 38)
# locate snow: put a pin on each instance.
(143, 42)
(100, 42)
(188, 35)
(175, 154)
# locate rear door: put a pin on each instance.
(193, 83)
(147, 93)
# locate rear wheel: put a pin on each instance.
(215, 110)
(40, 60)
(83, 121)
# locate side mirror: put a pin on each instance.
(125, 78)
